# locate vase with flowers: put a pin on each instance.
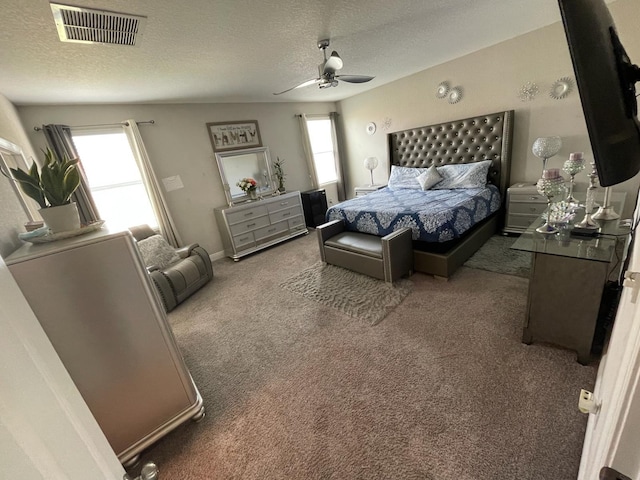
(249, 186)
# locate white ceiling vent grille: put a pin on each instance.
(86, 25)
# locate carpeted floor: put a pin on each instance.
(497, 256)
(356, 295)
(441, 389)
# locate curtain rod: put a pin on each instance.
(37, 129)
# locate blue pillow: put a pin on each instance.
(464, 175)
(404, 177)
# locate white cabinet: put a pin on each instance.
(524, 206)
(95, 301)
(252, 226)
(365, 190)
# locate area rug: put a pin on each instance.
(356, 295)
(497, 256)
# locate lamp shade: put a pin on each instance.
(546, 147)
(370, 163)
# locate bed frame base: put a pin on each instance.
(444, 264)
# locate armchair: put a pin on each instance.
(176, 273)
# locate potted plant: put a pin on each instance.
(52, 186)
(279, 173)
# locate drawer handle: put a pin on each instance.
(284, 203)
(243, 239)
(248, 214)
(271, 230)
(251, 224)
(286, 214)
(535, 198)
(533, 209)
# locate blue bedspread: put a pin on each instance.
(433, 215)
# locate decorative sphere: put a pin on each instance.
(546, 147)
(370, 163)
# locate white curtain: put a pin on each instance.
(337, 148)
(166, 224)
(308, 153)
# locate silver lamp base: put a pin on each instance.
(547, 228)
(605, 213)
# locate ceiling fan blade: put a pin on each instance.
(354, 78)
(303, 84)
(333, 64)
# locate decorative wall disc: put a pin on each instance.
(561, 88)
(371, 128)
(455, 95)
(442, 90)
(528, 92)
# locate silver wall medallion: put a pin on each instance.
(442, 90)
(371, 128)
(528, 92)
(455, 95)
(561, 88)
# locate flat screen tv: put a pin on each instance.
(606, 81)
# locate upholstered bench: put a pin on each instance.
(387, 258)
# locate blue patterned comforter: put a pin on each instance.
(433, 215)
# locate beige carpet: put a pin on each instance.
(497, 256)
(356, 295)
(441, 389)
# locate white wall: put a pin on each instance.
(491, 79)
(178, 144)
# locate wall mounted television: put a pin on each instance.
(606, 80)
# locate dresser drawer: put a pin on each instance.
(527, 198)
(296, 222)
(248, 214)
(244, 240)
(248, 225)
(520, 221)
(283, 203)
(271, 230)
(285, 214)
(527, 208)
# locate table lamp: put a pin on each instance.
(545, 148)
(370, 163)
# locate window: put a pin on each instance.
(322, 148)
(114, 179)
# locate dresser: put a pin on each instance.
(253, 226)
(97, 305)
(524, 206)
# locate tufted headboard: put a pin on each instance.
(460, 141)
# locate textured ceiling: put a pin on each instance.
(244, 50)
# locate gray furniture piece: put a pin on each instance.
(95, 302)
(387, 258)
(181, 279)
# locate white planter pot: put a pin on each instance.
(61, 219)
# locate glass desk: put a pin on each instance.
(568, 275)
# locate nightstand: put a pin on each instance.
(362, 191)
(524, 206)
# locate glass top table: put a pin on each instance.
(598, 248)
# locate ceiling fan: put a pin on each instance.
(327, 71)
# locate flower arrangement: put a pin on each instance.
(247, 185)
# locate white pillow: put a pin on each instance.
(429, 178)
(404, 177)
(157, 252)
(464, 175)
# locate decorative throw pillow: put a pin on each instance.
(429, 178)
(404, 177)
(465, 175)
(157, 252)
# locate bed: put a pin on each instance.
(449, 224)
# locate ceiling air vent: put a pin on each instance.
(86, 25)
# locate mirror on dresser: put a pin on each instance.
(248, 163)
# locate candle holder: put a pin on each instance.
(551, 185)
(587, 221)
(572, 167)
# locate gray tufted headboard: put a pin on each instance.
(460, 141)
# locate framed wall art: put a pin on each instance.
(227, 136)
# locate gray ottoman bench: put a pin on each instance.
(387, 258)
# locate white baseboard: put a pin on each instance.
(216, 256)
